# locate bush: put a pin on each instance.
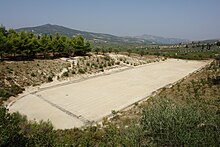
(10, 134)
(50, 79)
(10, 91)
(81, 71)
(73, 72)
(8, 78)
(66, 74)
(17, 131)
(87, 64)
(33, 74)
(117, 63)
(167, 124)
(4, 94)
(38, 134)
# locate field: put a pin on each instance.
(82, 102)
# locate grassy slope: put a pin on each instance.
(15, 76)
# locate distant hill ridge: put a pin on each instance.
(100, 37)
(163, 40)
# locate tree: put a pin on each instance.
(55, 43)
(81, 47)
(129, 52)
(9, 128)
(30, 46)
(209, 46)
(43, 41)
(12, 43)
(110, 50)
(103, 51)
(23, 44)
(27, 44)
(38, 134)
(69, 47)
(34, 45)
(3, 30)
(142, 52)
(63, 44)
(203, 46)
(116, 51)
(97, 50)
(2, 44)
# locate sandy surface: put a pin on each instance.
(76, 104)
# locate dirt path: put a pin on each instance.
(77, 103)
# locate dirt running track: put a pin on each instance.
(77, 104)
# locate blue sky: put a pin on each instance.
(189, 19)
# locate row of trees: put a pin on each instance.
(29, 45)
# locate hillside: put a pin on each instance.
(94, 37)
(101, 37)
(162, 40)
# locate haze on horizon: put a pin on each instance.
(188, 19)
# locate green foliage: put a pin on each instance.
(142, 52)
(168, 124)
(4, 94)
(66, 74)
(10, 91)
(33, 74)
(9, 129)
(50, 79)
(28, 45)
(38, 134)
(81, 71)
(196, 53)
(81, 47)
(15, 130)
(97, 50)
(114, 112)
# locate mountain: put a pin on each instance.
(94, 37)
(100, 37)
(162, 40)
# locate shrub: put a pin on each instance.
(114, 112)
(17, 131)
(73, 72)
(33, 74)
(8, 78)
(117, 63)
(66, 74)
(109, 64)
(167, 124)
(102, 70)
(50, 79)
(4, 94)
(87, 64)
(81, 71)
